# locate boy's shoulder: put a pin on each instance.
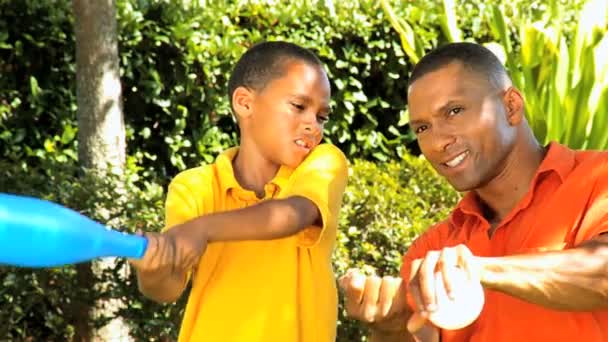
(195, 176)
(329, 149)
(325, 163)
(323, 156)
(325, 153)
(220, 171)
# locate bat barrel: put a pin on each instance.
(38, 233)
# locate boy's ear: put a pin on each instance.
(242, 101)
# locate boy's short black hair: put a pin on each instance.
(472, 56)
(265, 62)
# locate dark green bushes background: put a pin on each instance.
(175, 62)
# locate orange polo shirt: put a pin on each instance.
(262, 291)
(567, 204)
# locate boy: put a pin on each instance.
(267, 208)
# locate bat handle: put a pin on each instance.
(124, 245)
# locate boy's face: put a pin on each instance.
(288, 115)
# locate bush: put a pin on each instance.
(386, 206)
(175, 60)
(44, 304)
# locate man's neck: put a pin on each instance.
(508, 188)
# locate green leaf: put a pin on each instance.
(499, 28)
(406, 33)
(448, 22)
(359, 96)
(145, 132)
(34, 88)
(69, 133)
(532, 44)
(49, 146)
(71, 153)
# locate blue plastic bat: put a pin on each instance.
(39, 233)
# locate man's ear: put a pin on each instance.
(242, 101)
(514, 105)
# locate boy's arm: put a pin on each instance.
(312, 197)
(157, 278)
(163, 272)
(267, 220)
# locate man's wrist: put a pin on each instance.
(488, 268)
(379, 335)
(392, 330)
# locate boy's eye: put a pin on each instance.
(297, 106)
(322, 118)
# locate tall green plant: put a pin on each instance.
(565, 83)
(561, 68)
(410, 42)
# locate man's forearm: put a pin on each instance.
(395, 329)
(267, 220)
(382, 336)
(574, 279)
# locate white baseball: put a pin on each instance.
(457, 313)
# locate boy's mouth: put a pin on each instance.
(304, 144)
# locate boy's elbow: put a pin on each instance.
(163, 292)
(161, 297)
(305, 212)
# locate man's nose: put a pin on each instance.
(442, 137)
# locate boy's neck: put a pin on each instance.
(252, 171)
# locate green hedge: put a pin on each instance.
(386, 206)
(41, 304)
(175, 61)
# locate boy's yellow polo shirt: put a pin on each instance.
(277, 290)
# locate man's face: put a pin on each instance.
(290, 112)
(460, 121)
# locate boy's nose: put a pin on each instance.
(312, 127)
(310, 123)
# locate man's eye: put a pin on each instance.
(420, 129)
(455, 111)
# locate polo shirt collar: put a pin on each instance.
(559, 159)
(226, 176)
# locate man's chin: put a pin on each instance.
(462, 185)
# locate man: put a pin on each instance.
(531, 226)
